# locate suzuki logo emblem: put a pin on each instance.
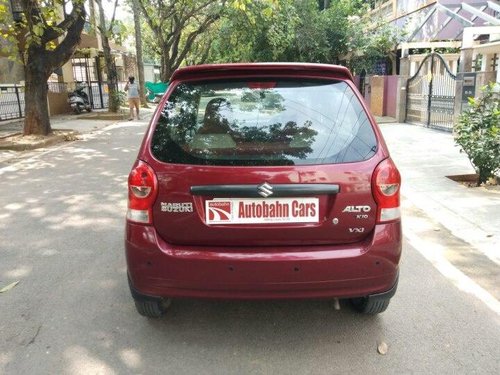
(265, 190)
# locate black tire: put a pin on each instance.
(154, 308)
(78, 109)
(89, 109)
(370, 306)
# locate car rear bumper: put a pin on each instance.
(159, 269)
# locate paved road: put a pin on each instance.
(61, 235)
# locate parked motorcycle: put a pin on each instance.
(79, 99)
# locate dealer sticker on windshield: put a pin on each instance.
(258, 211)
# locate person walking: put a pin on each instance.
(133, 97)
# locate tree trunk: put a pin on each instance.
(483, 175)
(138, 49)
(324, 4)
(165, 72)
(92, 19)
(36, 119)
(113, 101)
(40, 61)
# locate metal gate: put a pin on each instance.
(430, 94)
(88, 70)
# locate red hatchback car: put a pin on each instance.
(261, 181)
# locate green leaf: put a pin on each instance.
(267, 12)
(38, 30)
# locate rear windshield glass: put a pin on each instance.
(263, 122)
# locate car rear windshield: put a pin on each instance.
(263, 122)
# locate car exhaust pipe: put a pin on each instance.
(336, 304)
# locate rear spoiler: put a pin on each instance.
(262, 69)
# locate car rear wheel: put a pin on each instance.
(152, 308)
(375, 303)
(369, 306)
(149, 306)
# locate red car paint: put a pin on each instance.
(353, 249)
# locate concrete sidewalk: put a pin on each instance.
(81, 124)
(68, 121)
(425, 157)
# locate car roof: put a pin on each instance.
(252, 69)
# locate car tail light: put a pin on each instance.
(142, 192)
(386, 182)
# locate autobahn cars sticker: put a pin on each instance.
(256, 211)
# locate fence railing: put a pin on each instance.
(57, 87)
(12, 99)
(11, 102)
(12, 96)
(99, 93)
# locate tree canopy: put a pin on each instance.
(181, 32)
(193, 32)
(176, 25)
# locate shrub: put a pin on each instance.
(478, 132)
(119, 98)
